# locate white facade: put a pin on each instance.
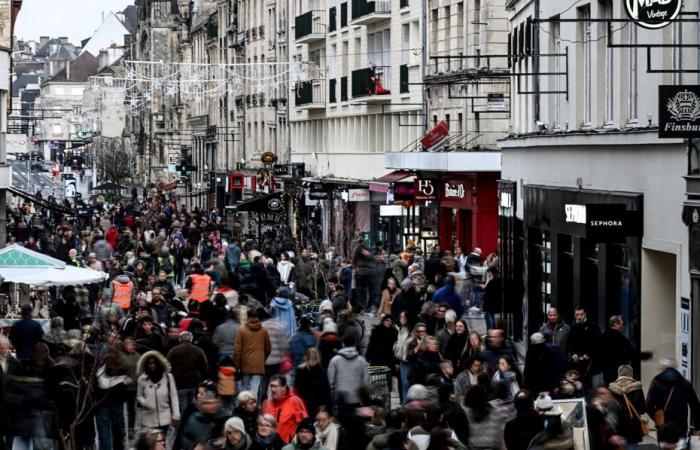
(595, 131)
(342, 131)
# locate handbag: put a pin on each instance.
(633, 412)
(660, 414)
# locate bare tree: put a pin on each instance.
(113, 159)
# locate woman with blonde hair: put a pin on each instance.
(311, 381)
(247, 410)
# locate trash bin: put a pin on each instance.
(380, 381)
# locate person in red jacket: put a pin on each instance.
(287, 407)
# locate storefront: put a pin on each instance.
(583, 247)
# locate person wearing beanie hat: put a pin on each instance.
(235, 435)
(305, 438)
(329, 343)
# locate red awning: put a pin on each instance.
(381, 184)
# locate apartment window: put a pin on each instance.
(333, 63)
(343, 14)
(357, 53)
(632, 75)
(586, 54)
(434, 37)
(405, 43)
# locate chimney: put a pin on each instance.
(43, 40)
(102, 59)
(63, 40)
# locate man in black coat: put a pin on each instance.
(583, 340)
(674, 395)
(526, 425)
(25, 334)
(615, 350)
(540, 372)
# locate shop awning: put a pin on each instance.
(270, 203)
(381, 184)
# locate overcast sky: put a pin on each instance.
(76, 19)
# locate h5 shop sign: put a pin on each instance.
(425, 189)
(679, 111)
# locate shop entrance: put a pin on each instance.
(658, 309)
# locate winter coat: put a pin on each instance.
(387, 300)
(251, 348)
(614, 350)
(282, 309)
(381, 441)
(189, 365)
(398, 268)
(682, 398)
(328, 347)
(519, 432)
(547, 440)
(199, 427)
(488, 432)
(32, 411)
(299, 344)
(455, 347)
(540, 372)
(293, 446)
(447, 294)
(276, 444)
(347, 372)
(158, 401)
(250, 419)
(380, 350)
(24, 335)
(285, 269)
(279, 339)
(224, 336)
(289, 410)
(632, 390)
(560, 335)
(424, 364)
(311, 384)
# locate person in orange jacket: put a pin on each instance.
(286, 406)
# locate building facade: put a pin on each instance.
(584, 146)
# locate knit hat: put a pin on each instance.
(235, 423)
(326, 305)
(329, 326)
(546, 407)
(407, 282)
(307, 424)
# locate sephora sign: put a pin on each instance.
(653, 14)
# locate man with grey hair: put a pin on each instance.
(671, 395)
(189, 368)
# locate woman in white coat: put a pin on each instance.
(156, 393)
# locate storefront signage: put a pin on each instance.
(358, 195)
(679, 111)
(425, 189)
(293, 170)
(496, 102)
(435, 136)
(452, 190)
(611, 222)
(575, 213)
(323, 195)
(653, 14)
(404, 191)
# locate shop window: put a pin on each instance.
(545, 249)
(619, 299)
(589, 279)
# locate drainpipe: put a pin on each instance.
(536, 61)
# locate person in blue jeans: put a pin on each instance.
(110, 396)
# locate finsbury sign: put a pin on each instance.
(653, 14)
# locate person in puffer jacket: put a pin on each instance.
(156, 392)
(347, 372)
(282, 309)
(629, 394)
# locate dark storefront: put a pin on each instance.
(582, 247)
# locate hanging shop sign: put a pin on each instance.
(268, 158)
(293, 170)
(679, 111)
(425, 189)
(358, 195)
(323, 195)
(653, 14)
(404, 192)
(435, 136)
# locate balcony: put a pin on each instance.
(310, 27)
(366, 12)
(369, 84)
(310, 95)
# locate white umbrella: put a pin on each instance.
(52, 276)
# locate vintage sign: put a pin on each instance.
(404, 191)
(425, 189)
(679, 111)
(318, 195)
(653, 14)
(358, 195)
(435, 136)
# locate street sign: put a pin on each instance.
(679, 111)
(653, 14)
(69, 187)
(186, 168)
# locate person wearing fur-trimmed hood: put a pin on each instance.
(156, 392)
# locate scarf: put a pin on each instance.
(265, 442)
(328, 437)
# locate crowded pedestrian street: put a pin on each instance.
(349, 225)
